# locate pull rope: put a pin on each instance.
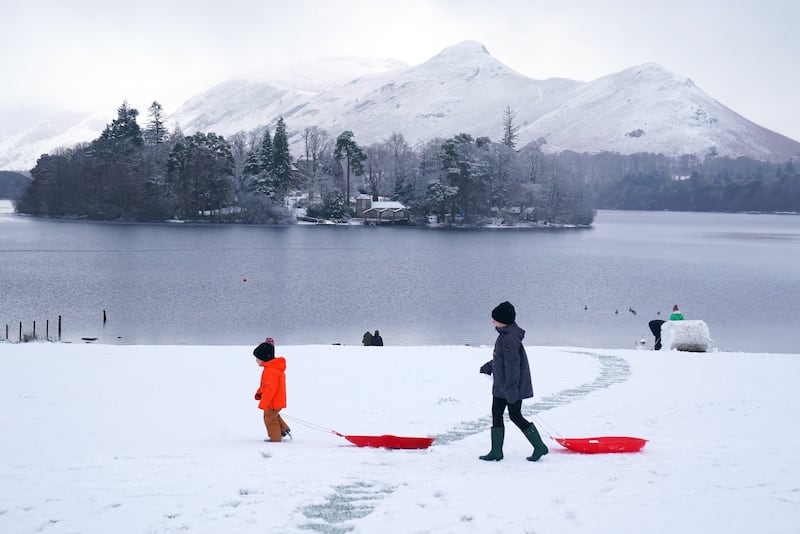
(312, 426)
(551, 431)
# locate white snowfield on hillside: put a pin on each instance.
(157, 439)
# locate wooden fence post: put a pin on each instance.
(59, 328)
(20, 331)
(47, 330)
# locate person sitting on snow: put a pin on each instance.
(366, 339)
(377, 340)
(271, 393)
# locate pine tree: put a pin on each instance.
(509, 128)
(124, 127)
(156, 131)
(117, 161)
(281, 162)
(347, 148)
(200, 174)
(258, 167)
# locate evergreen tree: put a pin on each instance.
(440, 199)
(465, 163)
(258, 168)
(200, 175)
(281, 163)
(156, 131)
(347, 148)
(116, 174)
(509, 128)
(124, 128)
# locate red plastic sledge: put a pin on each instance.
(603, 444)
(389, 441)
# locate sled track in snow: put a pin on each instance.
(348, 501)
(353, 501)
(613, 370)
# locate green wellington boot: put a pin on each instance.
(539, 448)
(496, 454)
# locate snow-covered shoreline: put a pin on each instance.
(100, 438)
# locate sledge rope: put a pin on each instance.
(551, 431)
(312, 426)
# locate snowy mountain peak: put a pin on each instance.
(652, 73)
(463, 88)
(463, 51)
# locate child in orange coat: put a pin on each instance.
(271, 393)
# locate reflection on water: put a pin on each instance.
(202, 284)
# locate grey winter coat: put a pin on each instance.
(510, 369)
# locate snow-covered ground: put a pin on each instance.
(151, 439)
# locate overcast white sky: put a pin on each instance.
(93, 54)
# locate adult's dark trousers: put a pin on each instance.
(514, 413)
(655, 328)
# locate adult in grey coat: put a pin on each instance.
(511, 383)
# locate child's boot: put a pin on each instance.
(496, 454)
(539, 448)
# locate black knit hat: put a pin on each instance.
(264, 352)
(504, 313)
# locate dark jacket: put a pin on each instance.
(377, 340)
(510, 369)
(366, 340)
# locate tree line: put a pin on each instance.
(714, 183)
(152, 174)
(13, 184)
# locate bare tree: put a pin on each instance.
(239, 151)
(379, 160)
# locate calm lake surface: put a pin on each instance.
(195, 284)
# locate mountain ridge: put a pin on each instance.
(463, 88)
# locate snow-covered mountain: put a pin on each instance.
(245, 104)
(649, 109)
(19, 150)
(464, 89)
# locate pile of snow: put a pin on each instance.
(689, 335)
(101, 439)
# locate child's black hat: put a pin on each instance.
(264, 352)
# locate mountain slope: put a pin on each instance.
(250, 103)
(649, 109)
(462, 89)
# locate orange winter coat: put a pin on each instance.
(273, 384)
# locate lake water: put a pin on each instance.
(199, 284)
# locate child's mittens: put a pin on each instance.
(257, 396)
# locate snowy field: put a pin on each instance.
(155, 439)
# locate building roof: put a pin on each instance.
(388, 204)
